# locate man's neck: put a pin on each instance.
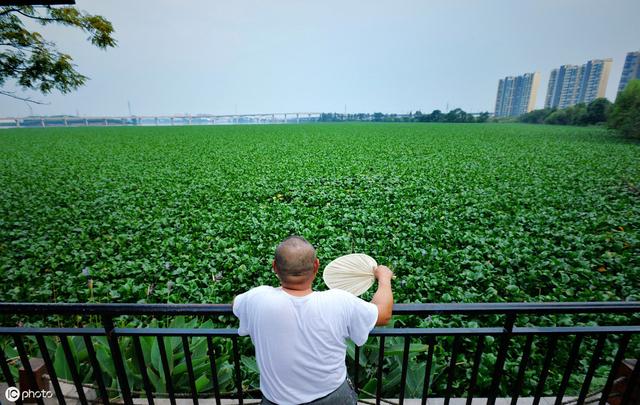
(297, 291)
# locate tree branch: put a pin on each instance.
(25, 99)
(8, 10)
(37, 17)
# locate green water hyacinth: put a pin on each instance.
(462, 213)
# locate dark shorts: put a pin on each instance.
(343, 395)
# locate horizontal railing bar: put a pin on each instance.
(576, 330)
(398, 309)
(551, 330)
(435, 331)
(52, 331)
(20, 308)
(175, 332)
(517, 308)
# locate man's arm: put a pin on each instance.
(383, 298)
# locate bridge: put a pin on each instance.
(159, 120)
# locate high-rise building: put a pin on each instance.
(573, 84)
(631, 69)
(517, 94)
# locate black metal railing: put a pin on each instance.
(610, 343)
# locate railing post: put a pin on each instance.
(214, 370)
(24, 359)
(405, 366)
(595, 359)
(427, 371)
(622, 348)
(236, 360)
(551, 351)
(8, 378)
(502, 356)
(477, 358)
(142, 366)
(75, 376)
(97, 372)
(107, 322)
(379, 371)
(53, 377)
(165, 369)
(524, 363)
(573, 357)
(455, 348)
(192, 378)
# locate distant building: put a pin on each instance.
(573, 84)
(631, 69)
(517, 94)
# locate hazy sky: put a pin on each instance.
(255, 56)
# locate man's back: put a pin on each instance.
(301, 341)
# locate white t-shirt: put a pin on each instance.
(301, 341)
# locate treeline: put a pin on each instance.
(623, 115)
(596, 112)
(455, 115)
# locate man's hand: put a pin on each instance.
(382, 273)
(383, 298)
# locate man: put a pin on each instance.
(300, 334)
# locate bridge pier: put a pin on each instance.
(42, 122)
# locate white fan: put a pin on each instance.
(352, 273)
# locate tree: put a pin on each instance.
(577, 114)
(483, 117)
(559, 117)
(536, 116)
(598, 111)
(435, 116)
(625, 115)
(37, 64)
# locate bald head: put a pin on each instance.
(295, 259)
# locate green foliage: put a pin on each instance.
(462, 213)
(596, 112)
(625, 116)
(456, 115)
(536, 116)
(394, 350)
(35, 63)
